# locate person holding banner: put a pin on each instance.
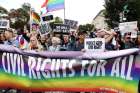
(65, 46)
(55, 44)
(10, 39)
(79, 44)
(2, 38)
(34, 44)
(24, 38)
(43, 42)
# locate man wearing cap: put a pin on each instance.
(10, 40)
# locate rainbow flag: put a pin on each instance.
(35, 18)
(53, 5)
(23, 44)
(69, 71)
(44, 4)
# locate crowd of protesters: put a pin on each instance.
(73, 41)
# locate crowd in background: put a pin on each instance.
(73, 41)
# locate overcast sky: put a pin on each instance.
(82, 11)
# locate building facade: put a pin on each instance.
(99, 20)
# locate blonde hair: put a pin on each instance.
(56, 40)
(38, 44)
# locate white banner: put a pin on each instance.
(4, 24)
(129, 27)
(94, 44)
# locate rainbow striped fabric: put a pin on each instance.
(53, 5)
(35, 18)
(23, 44)
(111, 72)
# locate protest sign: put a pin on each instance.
(128, 27)
(94, 44)
(61, 28)
(73, 24)
(45, 28)
(4, 24)
(47, 18)
(113, 72)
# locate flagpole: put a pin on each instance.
(30, 19)
(64, 11)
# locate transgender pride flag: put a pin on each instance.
(53, 5)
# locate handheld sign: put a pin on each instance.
(128, 27)
(94, 44)
(4, 24)
(71, 23)
(45, 28)
(61, 28)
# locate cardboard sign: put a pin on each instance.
(4, 24)
(95, 44)
(45, 28)
(71, 23)
(61, 28)
(128, 27)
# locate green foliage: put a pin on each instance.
(18, 24)
(21, 16)
(87, 27)
(3, 10)
(131, 9)
(113, 8)
(26, 7)
(58, 20)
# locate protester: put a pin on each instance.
(2, 38)
(79, 44)
(72, 41)
(23, 38)
(43, 42)
(49, 39)
(119, 42)
(65, 45)
(127, 43)
(34, 44)
(138, 40)
(10, 39)
(55, 44)
(108, 36)
(38, 37)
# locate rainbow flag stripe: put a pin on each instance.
(53, 5)
(44, 4)
(69, 84)
(35, 18)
